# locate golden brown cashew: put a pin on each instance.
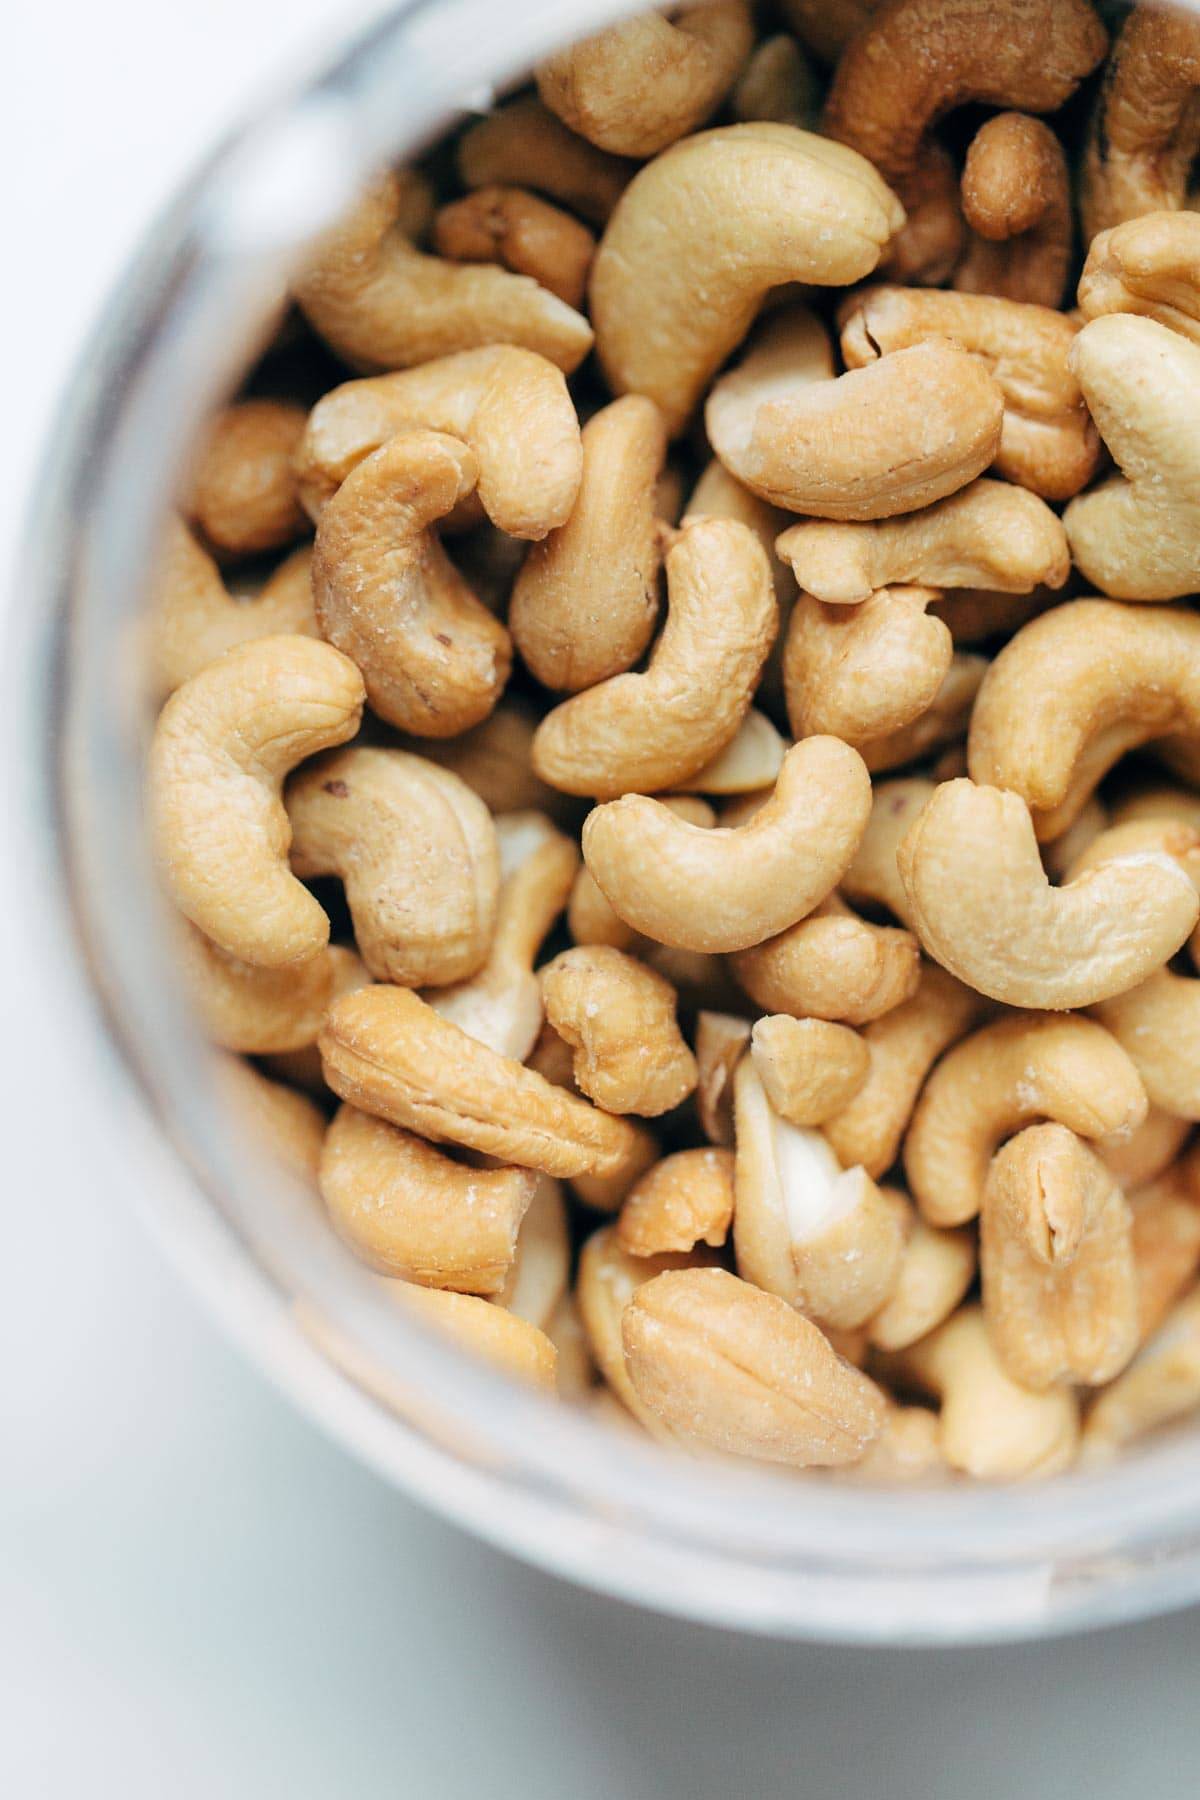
(585, 602)
(827, 26)
(989, 534)
(682, 1201)
(510, 226)
(502, 1004)
(1166, 1240)
(1056, 1256)
(381, 304)
(408, 1210)
(590, 917)
(608, 1279)
(1137, 535)
(524, 145)
(243, 492)
(512, 1345)
(1023, 1068)
(917, 60)
(285, 1127)
(302, 1067)
(1145, 131)
(943, 723)
(990, 1427)
(822, 1237)
(725, 890)
(777, 83)
(619, 1018)
(728, 1368)
(983, 908)
(1149, 266)
(510, 407)
(668, 300)
(936, 1270)
(194, 618)
(902, 1047)
(809, 1068)
(721, 1042)
(1073, 691)
(255, 1010)
(537, 1281)
(832, 965)
(859, 672)
(222, 746)
(873, 877)
(637, 86)
(434, 659)
(655, 729)
(390, 1054)
(1047, 441)
(1016, 198)
(416, 851)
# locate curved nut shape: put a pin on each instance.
(636, 733)
(809, 1068)
(608, 1279)
(1160, 1385)
(510, 407)
(510, 226)
(942, 726)
(989, 534)
(1016, 198)
(1145, 131)
(258, 1011)
(1147, 1152)
(493, 759)
(1164, 834)
(728, 1368)
(721, 1042)
(1047, 442)
(194, 618)
(284, 1128)
(859, 672)
(725, 890)
(512, 1345)
(777, 83)
(222, 746)
(718, 496)
(1056, 1256)
(591, 919)
(408, 1210)
(827, 26)
(524, 145)
(434, 659)
(502, 1005)
(416, 850)
(668, 300)
(983, 908)
(874, 874)
(1073, 691)
(1166, 1240)
(637, 86)
(381, 304)
(821, 1237)
(1149, 266)
(684, 1200)
(936, 1270)
(619, 1018)
(537, 1283)
(243, 492)
(1026, 1067)
(1158, 1025)
(832, 965)
(388, 1053)
(1137, 535)
(585, 602)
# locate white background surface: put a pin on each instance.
(199, 1596)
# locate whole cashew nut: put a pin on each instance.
(243, 491)
(684, 1200)
(222, 746)
(831, 965)
(936, 1270)
(255, 1010)
(619, 1018)
(1145, 131)
(859, 672)
(523, 144)
(510, 226)
(1161, 1384)
(943, 723)
(809, 1068)
(1149, 266)
(1016, 198)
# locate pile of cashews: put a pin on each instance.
(703, 845)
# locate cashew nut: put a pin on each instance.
(590, 917)
(668, 300)
(809, 1068)
(416, 851)
(608, 1279)
(725, 890)
(1158, 803)
(524, 145)
(1023, 1068)
(510, 226)
(1162, 1384)
(860, 672)
(831, 965)
(908, 1449)
(1016, 199)
(936, 1270)
(827, 26)
(943, 723)
(682, 1201)
(222, 746)
(749, 763)
(243, 491)
(493, 759)
(1166, 1240)
(604, 1190)
(537, 1281)
(1150, 266)
(721, 1041)
(1148, 1151)
(619, 1018)
(252, 1009)
(873, 877)
(302, 1067)
(777, 83)
(283, 1126)
(512, 1345)
(576, 1370)
(1145, 131)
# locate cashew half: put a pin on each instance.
(936, 1270)
(523, 144)
(243, 490)
(510, 226)
(668, 300)
(1149, 266)
(194, 618)
(608, 1279)
(725, 890)
(619, 1018)
(1145, 131)
(831, 965)
(809, 1068)
(1161, 1385)
(682, 1201)
(1016, 198)
(860, 672)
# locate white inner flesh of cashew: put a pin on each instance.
(813, 1191)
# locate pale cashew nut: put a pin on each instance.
(537, 1282)
(1056, 1258)
(255, 1010)
(989, 534)
(1145, 131)
(408, 1210)
(655, 729)
(809, 1068)
(302, 1067)
(831, 965)
(434, 659)
(726, 1367)
(388, 1053)
(1149, 266)
(942, 725)
(608, 1279)
(1166, 1240)
(725, 890)
(936, 1270)
(502, 1004)
(493, 759)
(1164, 834)
(1016, 199)
(590, 917)
(637, 86)
(1160, 1385)
(585, 602)
(512, 1345)
(284, 1127)
(1137, 535)
(523, 144)
(684, 1200)
(510, 226)
(1024, 1068)
(619, 1018)
(860, 672)
(669, 302)
(416, 851)
(777, 83)
(822, 1237)
(243, 491)
(873, 877)
(222, 746)
(749, 763)
(381, 304)
(721, 1042)
(1148, 1151)
(983, 907)
(1047, 443)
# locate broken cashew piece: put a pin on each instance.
(724, 890)
(1160, 1385)
(809, 1068)
(538, 1278)
(831, 965)
(860, 672)
(721, 1041)
(1145, 131)
(1149, 266)
(684, 1200)
(936, 1271)
(223, 744)
(243, 490)
(607, 1281)
(510, 226)
(1016, 199)
(619, 1018)
(523, 144)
